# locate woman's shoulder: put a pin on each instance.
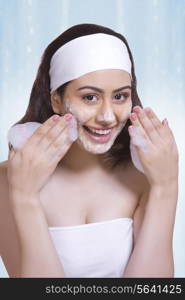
(3, 173)
(9, 247)
(3, 186)
(3, 189)
(3, 176)
(3, 164)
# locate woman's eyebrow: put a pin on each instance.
(102, 91)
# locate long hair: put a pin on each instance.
(40, 109)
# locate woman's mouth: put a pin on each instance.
(98, 135)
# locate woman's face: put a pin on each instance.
(101, 103)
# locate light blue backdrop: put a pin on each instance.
(155, 30)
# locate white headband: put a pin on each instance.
(87, 54)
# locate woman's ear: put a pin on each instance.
(56, 103)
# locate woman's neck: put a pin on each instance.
(79, 160)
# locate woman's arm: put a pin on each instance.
(156, 148)
(38, 254)
(153, 250)
(29, 168)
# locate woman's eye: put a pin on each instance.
(93, 98)
(90, 98)
(122, 96)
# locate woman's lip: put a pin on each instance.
(100, 139)
(100, 128)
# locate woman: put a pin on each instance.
(72, 201)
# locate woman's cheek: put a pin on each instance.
(124, 111)
(122, 119)
(81, 113)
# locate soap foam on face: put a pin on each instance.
(83, 117)
(108, 116)
(18, 135)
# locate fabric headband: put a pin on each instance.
(86, 54)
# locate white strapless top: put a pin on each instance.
(99, 249)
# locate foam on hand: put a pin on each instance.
(139, 141)
(73, 132)
(135, 158)
(19, 134)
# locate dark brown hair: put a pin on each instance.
(39, 108)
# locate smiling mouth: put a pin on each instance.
(98, 132)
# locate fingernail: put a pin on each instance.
(68, 117)
(137, 109)
(55, 117)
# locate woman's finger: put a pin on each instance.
(51, 136)
(135, 121)
(159, 126)
(162, 128)
(147, 125)
(40, 132)
(62, 143)
(137, 124)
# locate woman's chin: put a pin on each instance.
(94, 148)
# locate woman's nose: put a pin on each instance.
(106, 114)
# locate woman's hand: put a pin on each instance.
(30, 167)
(155, 146)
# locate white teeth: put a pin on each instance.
(100, 131)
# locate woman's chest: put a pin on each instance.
(77, 202)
